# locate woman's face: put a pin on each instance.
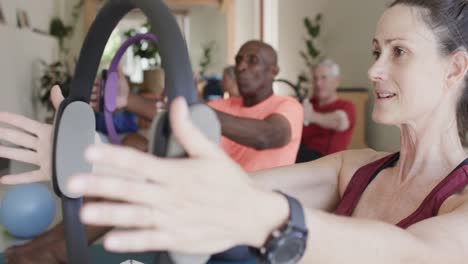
(408, 73)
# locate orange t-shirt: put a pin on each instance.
(249, 158)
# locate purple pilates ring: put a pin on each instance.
(111, 86)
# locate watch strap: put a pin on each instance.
(296, 212)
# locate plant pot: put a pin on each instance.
(153, 81)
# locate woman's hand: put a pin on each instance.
(202, 204)
(32, 143)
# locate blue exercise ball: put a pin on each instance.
(27, 210)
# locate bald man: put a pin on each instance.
(260, 130)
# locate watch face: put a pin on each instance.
(289, 250)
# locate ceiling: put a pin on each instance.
(184, 2)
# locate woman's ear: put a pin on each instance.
(458, 68)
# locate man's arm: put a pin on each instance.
(271, 132)
(337, 120)
(141, 106)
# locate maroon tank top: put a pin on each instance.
(453, 183)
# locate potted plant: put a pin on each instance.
(57, 72)
(59, 30)
(312, 53)
(153, 75)
(311, 56)
(205, 62)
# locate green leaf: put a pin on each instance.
(307, 23)
(314, 31)
(57, 28)
(302, 78)
(310, 48)
(318, 17)
(313, 52)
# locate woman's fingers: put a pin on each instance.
(138, 241)
(123, 159)
(19, 121)
(56, 96)
(188, 135)
(118, 215)
(18, 138)
(23, 155)
(26, 177)
(117, 188)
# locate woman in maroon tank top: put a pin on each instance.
(362, 206)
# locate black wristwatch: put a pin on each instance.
(287, 244)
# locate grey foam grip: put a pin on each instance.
(180, 258)
(159, 131)
(202, 116)
(176, 258)
(204, 119)
(70, 146)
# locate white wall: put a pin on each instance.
(271, 22)
(39, 12)
(207, 23)
(247, 22)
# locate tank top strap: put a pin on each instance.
(360, 180)
(455, 182)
